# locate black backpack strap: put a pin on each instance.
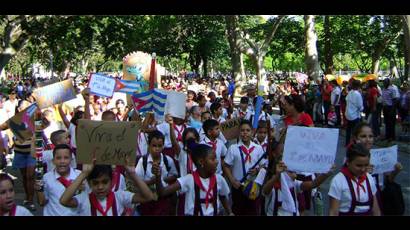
(352, 194)
(243, 164)
(197, 202)
(215, 197)
(166, 163)
(245, 174)
(144, 163)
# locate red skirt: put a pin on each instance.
(242, 206)
(161, 207)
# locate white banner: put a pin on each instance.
(102, 85)
(383, 159)
(309, 149)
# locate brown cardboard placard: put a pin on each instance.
(55, 93)
(230, 128)
(111, 141)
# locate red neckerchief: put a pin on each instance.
(64, 181)
(213, 143)
(115, 183)
(212, 184)
(12, 211)
(96, 205)
(247, 152)
(358, 182)
(179, 132)
(276, 185)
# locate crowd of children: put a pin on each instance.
(187, 167)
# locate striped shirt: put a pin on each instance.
(388, 95)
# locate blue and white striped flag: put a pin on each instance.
(130, 87)
(152, 100)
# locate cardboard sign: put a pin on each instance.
(22, 124)
(230, 128)
(175, 105)
(111, 141)
(54, 94)
(383, 159)
(309, 149)
(102, 85)
(48, 82)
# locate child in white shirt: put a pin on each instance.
(8, 206)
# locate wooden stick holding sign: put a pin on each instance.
(111, 142)
(309, 149)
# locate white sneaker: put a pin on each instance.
(11, 176)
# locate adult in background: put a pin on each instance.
(371, 99)
(354, 108)
(326, 92)
(294, 111)
(389, 109)
(335, 100)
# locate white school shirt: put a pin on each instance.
(335, 92)
(122, 186)
(236, 113)
(339, 190)
(53, 189)
(285, 196)
(123, 199)
(354, 105)
(71, 130)
(220, 119)
(233, 158)
(221, 137)
(142, 148)
(21, 211)
(220, 152)
(187, 186)
(265, 142)
(166, 130)
(183, 161)
(10, 107)
(48, 160)
(147, 175)
(50, 129)
(264, 117)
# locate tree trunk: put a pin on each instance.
(329, 67)
(375, 65)
(406, 28)
(260, 73)
(4, 60)
(311, 55)
(238, 71)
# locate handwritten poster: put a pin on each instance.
(230, 128)
(383, 159)
(175, 105)
(309, 149)
(111, 141)
(54, 94)
(102, 85)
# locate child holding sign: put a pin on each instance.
(211, 129)
(8, 206)
(54, 182)
(363, 133)
(352, 190)
(102, 201)
(205, 191)
(243, 161)
(283, 188)
(144, 170)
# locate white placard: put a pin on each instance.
(175, 105)
(309, 149)
(383, 159)
(101, 85)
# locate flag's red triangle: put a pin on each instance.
(138, 103)
(118, 85)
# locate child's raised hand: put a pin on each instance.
(156, 170)
(87, 168)
(86, 94)
(370, 168)
(38, 185)
(398, 167)
(280, 167)
(129, 167)
(168, 119)
(332, 169)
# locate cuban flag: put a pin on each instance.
(152, 100)
(129, 86)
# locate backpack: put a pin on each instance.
(392, 199)
(145, 162)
